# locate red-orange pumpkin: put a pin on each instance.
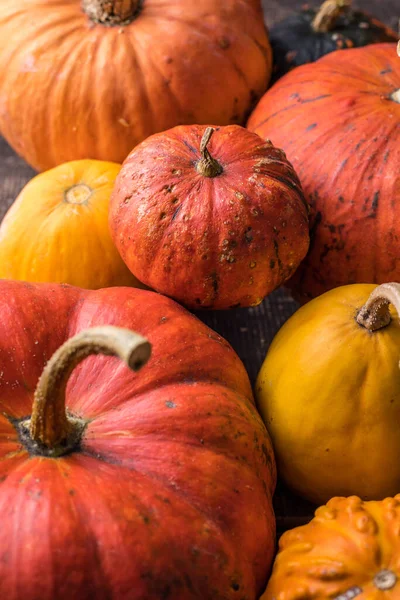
(339, 122)
(156, 485)
(213, 222)
(92, 78)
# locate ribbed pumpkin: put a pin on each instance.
(305, 36)
(92, 78)
(349, 550)
(214, 222)
(57, 229)
(151, 485)
(329, 394)
(340, 127)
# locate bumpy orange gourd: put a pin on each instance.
(214, 218)
(338, 120)
(329, 393)
(92, 78)
(351, 549)
(57, 229)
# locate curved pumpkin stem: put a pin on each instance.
(112, 12)
(49, 425)
(375, 313)
(208, 166)
(328, 13)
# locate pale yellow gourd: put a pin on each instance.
(329, 393)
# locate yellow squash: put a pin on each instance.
(57, 229)
(329, 393)
(351, 549)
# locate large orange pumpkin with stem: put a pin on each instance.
(126, 486)
(102, 76)
(349, 550)
(57, 229)
(213, 217)
(339, 122)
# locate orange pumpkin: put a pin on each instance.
(57, 229)
(349, 550)
(214, 222)
(102, 76)
(338, 120)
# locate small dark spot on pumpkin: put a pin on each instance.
(169, 187)
(386, 71)
(326, 449)
(224, 43)
(235, 305)
(248, 235)
(311, 127)
(235, 586)
(391, 400)
(162, 216)
(169, 60)
(176, 212)
(341, 200)
(375, 202)
(163, 319)
(71, 492)
(174, 200)
(146, 519)
(170, 404)
(198, 301)
(202, 441)
(272, 263)
(332, 228)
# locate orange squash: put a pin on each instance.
(57, 229)
(338, 120)
(102, 76)
(349, 550)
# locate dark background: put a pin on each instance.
(250, 331)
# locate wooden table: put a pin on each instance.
(249, 331)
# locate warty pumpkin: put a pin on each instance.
(305, 36)
(349, 550)
(340, 127)
(102, 76)
(57, 229)
(151, 485)
(213, 217)
(329, 394)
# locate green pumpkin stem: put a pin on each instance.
(50, 426)
(326, 17)
(112, 12)
(208, 166)
(375, 313)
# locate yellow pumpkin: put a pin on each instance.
(57, 229)
(351, 549)
(329, 393)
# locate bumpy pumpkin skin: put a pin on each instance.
(57, 229)
(347, 545)
(341, 130)
(209, 242)
(329, 394)
(294, 42)
(170, 492)
(177, 62)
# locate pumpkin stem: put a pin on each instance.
(208, 166)
(375, 313)
(112, 12)
(50, 426)
(328, 13)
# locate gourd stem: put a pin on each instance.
(111, 12)
(326, 17)
(49, 425)
(375, 313)
(208, 166)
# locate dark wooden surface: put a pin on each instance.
(249, 331)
